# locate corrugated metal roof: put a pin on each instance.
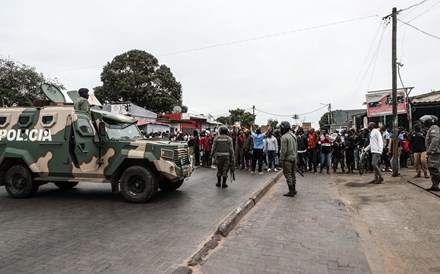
(431, 97)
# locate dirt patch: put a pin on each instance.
(397, 222)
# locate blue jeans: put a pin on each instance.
(271, 154)
(356, 157)
(398, 163)
(325, 160)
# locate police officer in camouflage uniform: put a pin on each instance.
(82, 103)
(432, 149)
(223, 150)
(288, 154)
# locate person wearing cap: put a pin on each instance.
(432, 142)
(82, 104)
(376, 147)
(223, 151)
(417, 138)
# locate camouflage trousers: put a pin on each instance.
(433, 167)
(223, 166)
(289, 169)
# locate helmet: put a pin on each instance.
(428, 120)
(83, 92)
(285, 127)
(223, 130)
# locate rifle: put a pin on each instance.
(300, 172)
(232, 171)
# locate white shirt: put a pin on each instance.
(271, 143)
(386, 136)
(376, 142)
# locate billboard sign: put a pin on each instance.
(380, 103)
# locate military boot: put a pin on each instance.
(219, 178)
(291, 192)
(433, 188)
(224, 185)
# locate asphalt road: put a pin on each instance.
(90, 229)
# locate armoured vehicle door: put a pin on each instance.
(84, 145)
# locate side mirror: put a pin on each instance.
(102, 131)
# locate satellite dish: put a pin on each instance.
(177, 109)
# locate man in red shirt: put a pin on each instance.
(202, 147)
(313, 150)
(207, 148)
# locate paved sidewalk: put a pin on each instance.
(311, 233)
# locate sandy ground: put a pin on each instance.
(397, 222)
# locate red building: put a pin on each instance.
(184, 122)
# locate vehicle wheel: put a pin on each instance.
(166, 185)
(65, 185)
(19, 182)
(138, 184)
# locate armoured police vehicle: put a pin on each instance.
(56, 144)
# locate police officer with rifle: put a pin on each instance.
(223, 150)
(432, 149)
(288, 157)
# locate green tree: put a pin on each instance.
(137, 77)
(237, 115)
(324, 121)
(242, 116)
(273, 123)
(20, 84)
(223, 120)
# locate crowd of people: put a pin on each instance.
(318, 150)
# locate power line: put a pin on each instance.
(279, 115)
(266, 36)
(429, 34)
(375, 61)
(412, 6)
(290, 115)
(234, 42)
(429, 9)
(363, 64)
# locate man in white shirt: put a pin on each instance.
(376, 148)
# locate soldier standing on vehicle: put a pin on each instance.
(82, 103)
(223, 150)
(288, 154)
(433, 149)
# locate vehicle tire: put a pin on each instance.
(65, 185)
(138, 184)
(19, 182)
(166, 185)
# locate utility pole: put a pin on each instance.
(394, 70)
(295, 117)
(253, 113)
(330, 118)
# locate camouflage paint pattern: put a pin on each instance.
(59, 144)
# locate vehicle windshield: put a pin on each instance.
(118, 132)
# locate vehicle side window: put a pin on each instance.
(84, 127)
(49, 119)
(4, 120)
(25, 120)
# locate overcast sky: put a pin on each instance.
(312, 61)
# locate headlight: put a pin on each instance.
(167, 154)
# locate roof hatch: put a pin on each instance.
(53, 93)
